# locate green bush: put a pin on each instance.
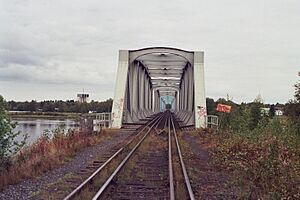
(8, 144)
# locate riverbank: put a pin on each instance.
(48, 152)
(56, 181)
(49, 115)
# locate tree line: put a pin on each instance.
(290, 108)
(60, 106)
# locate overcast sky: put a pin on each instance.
(55, 49)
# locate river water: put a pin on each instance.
(36, 127)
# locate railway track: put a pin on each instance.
(142, 169)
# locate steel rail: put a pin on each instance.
(184, 171)
(106, 184)
(171, 177)
(165, 125)
(90, 178)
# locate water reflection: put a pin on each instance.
(35, 127)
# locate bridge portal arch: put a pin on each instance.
(144, 75)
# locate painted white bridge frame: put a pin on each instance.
(192, 84)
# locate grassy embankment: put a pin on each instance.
(263, 163)
(48, 152)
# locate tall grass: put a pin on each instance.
(264, 162)
(49, 151)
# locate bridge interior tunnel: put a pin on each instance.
(153, 79)
(167, 102)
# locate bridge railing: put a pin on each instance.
(212, 121)
(103, 120)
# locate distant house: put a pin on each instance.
(278, 111)
(265, 111)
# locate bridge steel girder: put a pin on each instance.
(120, 88)
(144, 75)
(199, 90)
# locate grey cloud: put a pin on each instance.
(8, 57)
(250, 47)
